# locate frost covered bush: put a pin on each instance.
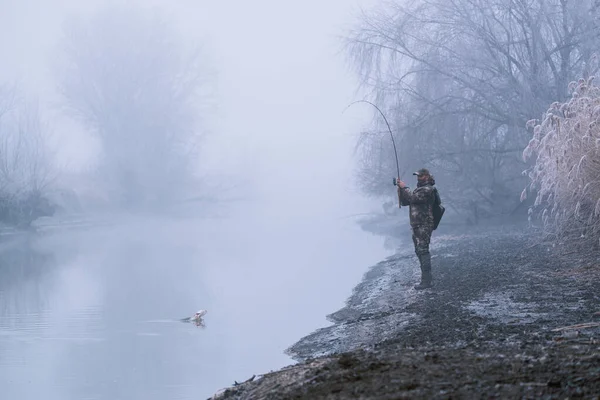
(565, 172)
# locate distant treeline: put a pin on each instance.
(126, 77)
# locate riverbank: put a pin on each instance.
(493, 326)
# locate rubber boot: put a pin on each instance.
(426, 279)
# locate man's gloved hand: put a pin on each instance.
(401, 185)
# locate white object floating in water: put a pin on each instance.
(199, 314)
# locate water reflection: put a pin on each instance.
(101, 323)
(97, 314)
(145, 351)
(22, 269)
(28, 278)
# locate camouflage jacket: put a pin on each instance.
(420, 202)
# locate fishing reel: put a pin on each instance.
(395, 182)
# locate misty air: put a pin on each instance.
(299, 200)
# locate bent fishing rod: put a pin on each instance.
(391, 136)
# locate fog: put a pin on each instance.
(279, 84)
(93, 312)
(159, 158)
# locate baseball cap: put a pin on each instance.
(422, 171)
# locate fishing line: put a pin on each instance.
(388, 126)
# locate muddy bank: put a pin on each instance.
(568, 370)
(487, 328)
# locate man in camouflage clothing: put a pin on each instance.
(421, 202)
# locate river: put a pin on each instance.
(94, 313)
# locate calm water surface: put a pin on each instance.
(94, 314)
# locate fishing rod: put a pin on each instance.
(391, 136)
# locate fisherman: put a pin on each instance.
(421, 202)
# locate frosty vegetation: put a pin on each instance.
(565, 176)
(459, 79)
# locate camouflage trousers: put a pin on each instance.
(421, 235)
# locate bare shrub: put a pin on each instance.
(26, 168)
(565, 175)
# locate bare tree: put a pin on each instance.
(26, 167)
(129, 79)
(463, 77)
